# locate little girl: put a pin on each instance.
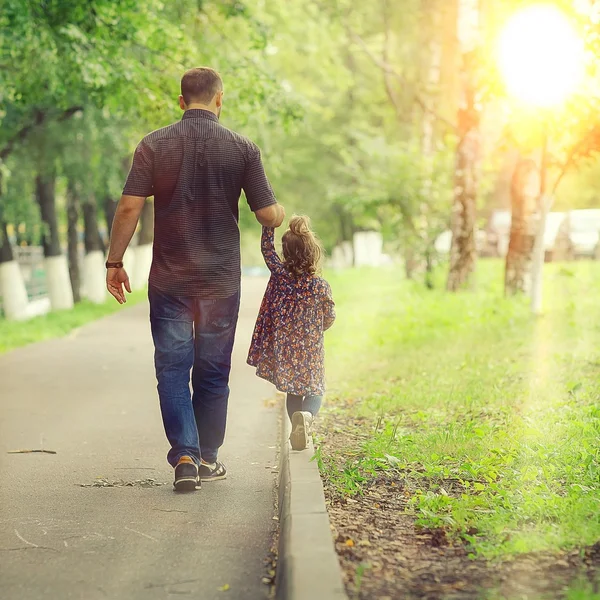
(287, 345)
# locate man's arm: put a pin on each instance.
(270, 216)
(125, 222)
(138, 187)
(259, 192)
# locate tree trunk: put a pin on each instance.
(411, 264)
(525, 222)
(146, 235)
(92, 238)
(6, 251)
(429, 253)
(45, 194)
(110, 207)
(95, 274)
(73, 241)
(55, 263)
(463, 253)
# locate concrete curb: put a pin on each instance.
(307, 565)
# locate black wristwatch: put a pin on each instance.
(114, 265)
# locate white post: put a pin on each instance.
(374, 248)
(368, 246)
(59, 283)
(94, 276)
(338, 258)
(348, 251)
(360, 249)
(537, 264)
(14, 293)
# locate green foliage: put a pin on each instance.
(488, 417)
(354, 125)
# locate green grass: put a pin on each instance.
(14, 334)
(491, 416)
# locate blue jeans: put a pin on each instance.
(193, 334)
(295, 403)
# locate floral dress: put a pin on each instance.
(287, 344)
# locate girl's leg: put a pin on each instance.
(312, 404)
(293, 404)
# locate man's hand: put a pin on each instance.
(115, 279)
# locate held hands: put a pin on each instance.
(115, 279)
(280, 216)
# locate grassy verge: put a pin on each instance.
(14, 334)
(491, 416)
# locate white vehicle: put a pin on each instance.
(579, 234)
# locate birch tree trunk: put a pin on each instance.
(463, 252)
(524, 191)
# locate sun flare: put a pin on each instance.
(541, 56)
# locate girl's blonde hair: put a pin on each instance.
(302, 251)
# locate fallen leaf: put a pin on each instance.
(349, 543)
(224, 588)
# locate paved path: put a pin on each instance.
(92, 397)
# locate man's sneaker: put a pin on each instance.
(212, 472)
(186, 475)
(301, 426)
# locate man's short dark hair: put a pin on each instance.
(200, 85)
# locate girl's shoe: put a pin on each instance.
(301, 429)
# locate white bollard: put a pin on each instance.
(143, 262)
(348, 250)
(368, 247)
(374, 248)
(338, 258)
(443, 243)
(14, 293)
(94, 276)
(59, 283)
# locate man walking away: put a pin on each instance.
(196, 170)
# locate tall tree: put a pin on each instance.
(463, 253)
(73, 206)
(524, 192)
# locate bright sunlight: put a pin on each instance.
(541, 56)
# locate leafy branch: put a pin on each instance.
(389, 71)
(40, 118)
